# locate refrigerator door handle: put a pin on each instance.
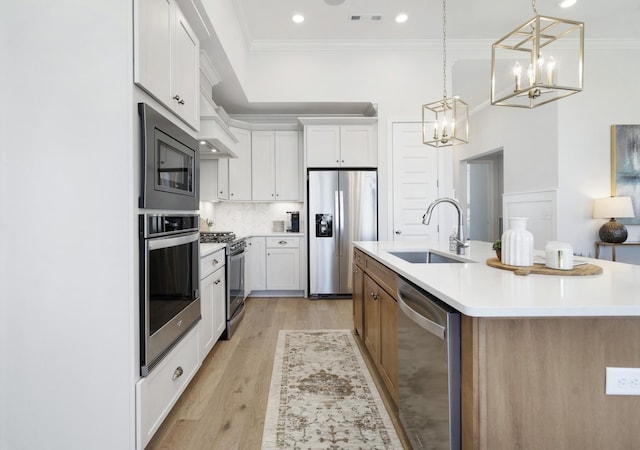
(341, 219)
(337, 213)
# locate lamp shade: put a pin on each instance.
(612, 207)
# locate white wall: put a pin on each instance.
(565, 145)
(66, 239)
(611, 96)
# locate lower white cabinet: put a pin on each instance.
(212, 300)
(160, 390)
(255, 273)
(283, 263)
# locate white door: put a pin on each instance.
(415, 183)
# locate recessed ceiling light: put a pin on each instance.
(567, 3)
(401, 18)
(298, 18)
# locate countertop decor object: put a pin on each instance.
(535, 77)
(558, 255)
(517, 243)
(445, 122)
(541, 269)
(612, 208)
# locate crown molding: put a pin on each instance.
(453, 45)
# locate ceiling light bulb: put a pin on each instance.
(567, 3)
(298, 18)
(203, 142)
(401, 18)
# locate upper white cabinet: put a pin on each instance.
(208, 180)
(240, 167)
(276, 170)
(341, 145)
(223, 179)
(167, 58)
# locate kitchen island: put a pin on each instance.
(534, 349)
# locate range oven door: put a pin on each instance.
(170, 297)
(235, 290)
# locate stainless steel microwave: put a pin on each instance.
(170, 164)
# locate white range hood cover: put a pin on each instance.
(214, 132)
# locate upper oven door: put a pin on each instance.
(170, 164)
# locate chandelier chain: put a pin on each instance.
(444, 48)
(533, 5)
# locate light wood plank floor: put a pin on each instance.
(224, 405)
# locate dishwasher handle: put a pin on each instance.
(434, 328)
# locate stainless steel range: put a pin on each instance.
(235, 275)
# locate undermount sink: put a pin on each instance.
(424, 257)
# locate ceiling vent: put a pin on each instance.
(365, 18)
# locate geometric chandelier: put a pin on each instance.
(538, 62)
(445, 122)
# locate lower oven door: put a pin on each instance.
(170, 297)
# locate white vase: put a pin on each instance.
(517, 243)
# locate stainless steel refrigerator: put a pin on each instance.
(343, 207)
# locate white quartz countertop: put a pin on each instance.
(210, 247)
(478, 290)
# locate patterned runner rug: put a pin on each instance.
(322, 396)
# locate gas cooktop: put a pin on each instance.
(217, 236)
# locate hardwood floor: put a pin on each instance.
(224, 406)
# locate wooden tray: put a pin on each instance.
(581, 270)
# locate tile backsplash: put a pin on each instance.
(247, 218)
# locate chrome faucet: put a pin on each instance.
(461, 244)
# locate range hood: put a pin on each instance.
(216, 139)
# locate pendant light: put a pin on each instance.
(445, 122)
(538, 62)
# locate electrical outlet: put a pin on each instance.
(622, 381)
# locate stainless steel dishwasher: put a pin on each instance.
(428, 369)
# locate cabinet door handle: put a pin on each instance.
(215, 261)
(177, 373)
(176, 97)
(217, 281)
(282, 242)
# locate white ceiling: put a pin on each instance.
(270, 20)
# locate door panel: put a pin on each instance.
(415, 182)
(324, 261)
(358, 218)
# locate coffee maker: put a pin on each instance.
(293, 220)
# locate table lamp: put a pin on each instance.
(612, 208)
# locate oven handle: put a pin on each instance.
(165, 242)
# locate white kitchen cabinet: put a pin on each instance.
(212, 300)
(160, 390)
(283, 263)
(208, 180)
(341, 145)
(223, 179)
(167, 58)
(256, 260)
(240, 167)
(276, 170)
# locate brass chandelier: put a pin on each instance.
(552, 52)
(445, 122)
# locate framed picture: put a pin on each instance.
(625, 166)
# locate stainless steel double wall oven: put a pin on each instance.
(168, 236)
